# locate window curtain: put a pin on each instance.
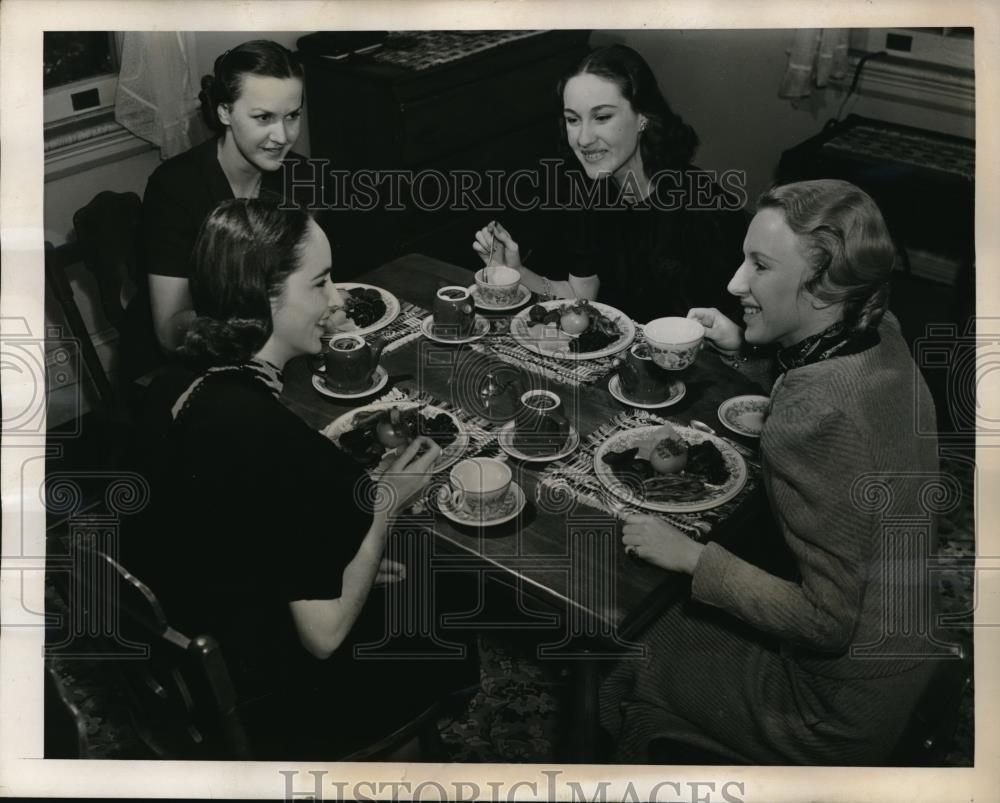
(157, 97)
(816, 55)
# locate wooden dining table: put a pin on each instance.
(560, 557)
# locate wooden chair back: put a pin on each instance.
(107, 231)
(183, 701)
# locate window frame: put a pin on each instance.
(76, 141)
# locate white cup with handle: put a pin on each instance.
(480, 486)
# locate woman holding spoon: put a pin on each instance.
(644, 246)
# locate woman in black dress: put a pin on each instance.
(646, 232)
(261, 531)
(253, 101)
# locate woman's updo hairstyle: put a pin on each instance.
(260, 57)
(667, 142)
(243, 256)
(847, 243)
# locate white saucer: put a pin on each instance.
(677, 391)
(379, 379)
(744, 415)
(515, 501)
(480, 329)
(506, 440)
(523, 294)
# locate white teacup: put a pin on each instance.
(674, 343)
(499, 285)
(480, 486)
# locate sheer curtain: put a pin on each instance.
(157, 97)
(817, 54)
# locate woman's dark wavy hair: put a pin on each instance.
(847, 243)
(245, 251)
(668, 142)
(259, 57)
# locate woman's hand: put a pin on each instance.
(389, 572)
(408, 475)
(725, 334)
(659, 543)
(505, 250)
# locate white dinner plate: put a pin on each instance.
(515, 503)
(449, 455)
(557, 347)
(745, 415)
(480, 329)
(391, 309)
(643, 438)
(523, 294)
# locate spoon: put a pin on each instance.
(739, 447)
(489, 262)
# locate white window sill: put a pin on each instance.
(74, 148)
(918, 83)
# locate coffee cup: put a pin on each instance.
(540, 427)
(350, 363)
(674, 342)
(454, 313)
(641, 379)
(498, 286)
(480, 486)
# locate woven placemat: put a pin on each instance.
(403, 329)
(502, 345)
(575, 476)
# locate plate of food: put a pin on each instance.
(670, 468)
(376, 433)
(573, 330)
(365, 309)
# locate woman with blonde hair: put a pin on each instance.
(823, 666)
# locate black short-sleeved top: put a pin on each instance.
(183, 190)
(251, 509)
(652, 259)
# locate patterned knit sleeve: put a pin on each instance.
(813, 458)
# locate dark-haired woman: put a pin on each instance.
(823, 667)
(654, 236)
(260, 531)
(254, 103)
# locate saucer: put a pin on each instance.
(480, 329)
(677, 391)
(379, 379)
(744, 415)
(513, 505)
(506, 440)
(523, 294)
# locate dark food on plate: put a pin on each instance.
(594, 329)
(706, 460)
(364, 306)
(705, 466)
(374, 432)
